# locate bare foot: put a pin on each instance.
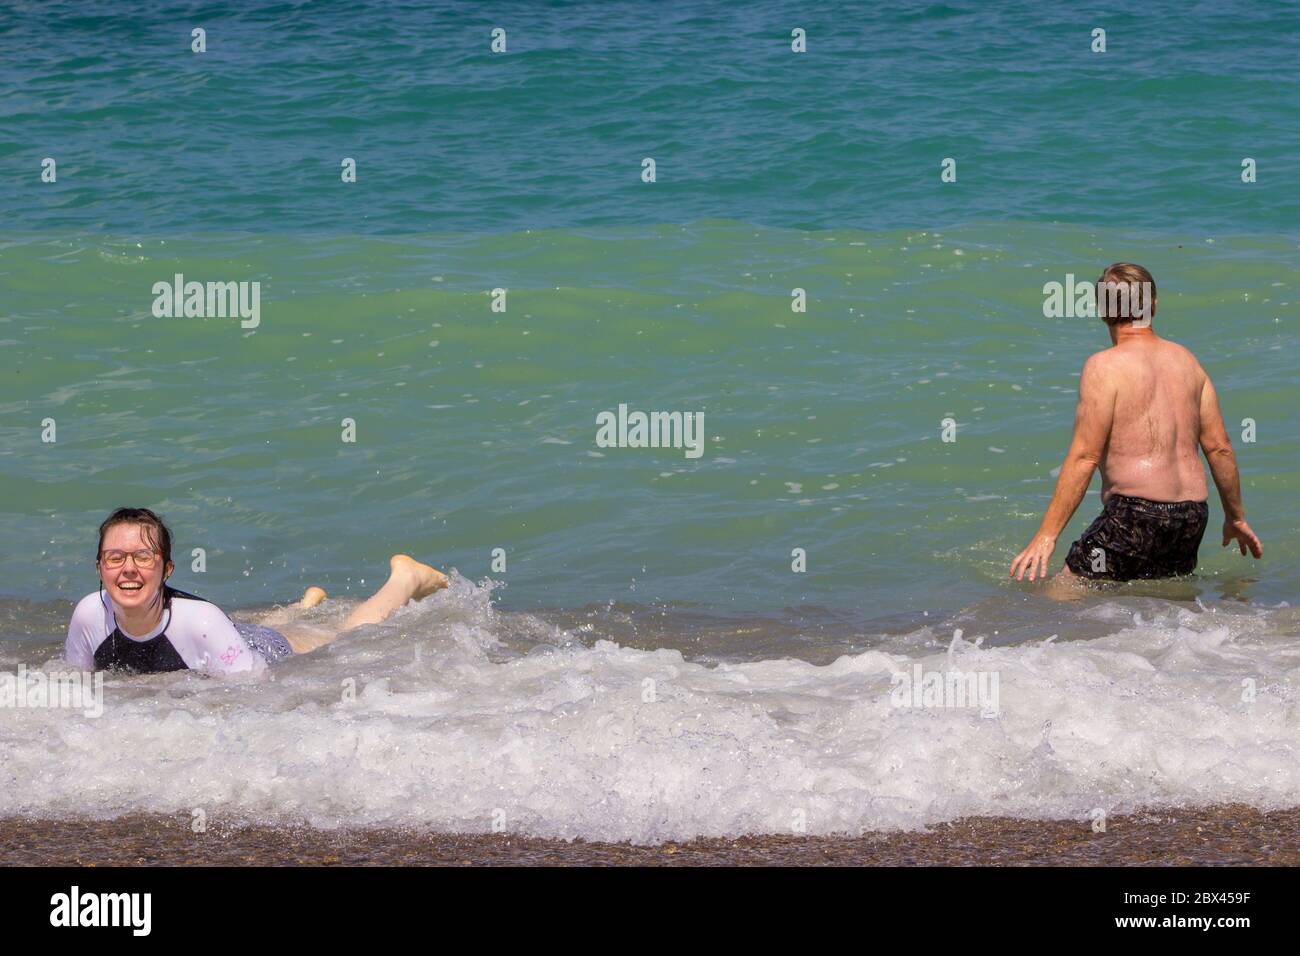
(311, 597)
(426, 579)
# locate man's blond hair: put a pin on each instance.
(1125, 293)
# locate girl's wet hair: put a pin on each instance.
(156, 533)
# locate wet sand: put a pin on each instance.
(1216, 836)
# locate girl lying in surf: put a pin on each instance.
(138, 623)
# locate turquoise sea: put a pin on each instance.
(476, 429)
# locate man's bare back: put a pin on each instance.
(1153, 450)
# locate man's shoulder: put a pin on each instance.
(1175, 348)
(1117, 355)
(1182, 360)
(1102, 364)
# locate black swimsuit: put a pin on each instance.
(1137, 538)
(119, 652)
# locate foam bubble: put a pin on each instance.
(463, 715)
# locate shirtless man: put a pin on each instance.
(1145, 405)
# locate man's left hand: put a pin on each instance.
(1034, 559)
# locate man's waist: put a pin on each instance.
(1133, 502)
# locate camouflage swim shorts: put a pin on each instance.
(1137, 538)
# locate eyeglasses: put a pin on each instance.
(144, 558)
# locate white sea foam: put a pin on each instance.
(452, 729)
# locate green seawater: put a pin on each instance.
(476, 429)
(522, 170)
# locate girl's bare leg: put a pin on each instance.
(278, 617)
(408, 580)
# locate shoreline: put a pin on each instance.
(1224, 836)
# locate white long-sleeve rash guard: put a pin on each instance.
(193, 633)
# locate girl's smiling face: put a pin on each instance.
(131, 586)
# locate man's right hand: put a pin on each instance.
(1240, 532)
